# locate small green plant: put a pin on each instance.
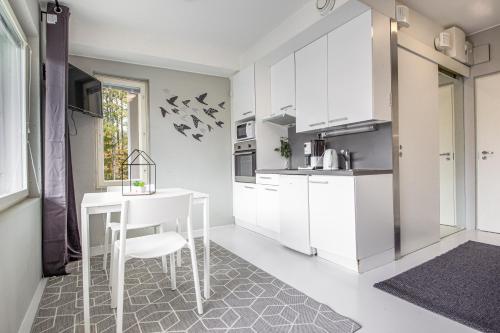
(138, 183)
(284, 149)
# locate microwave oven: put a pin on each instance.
(245, 130)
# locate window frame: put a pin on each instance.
(13, 198)
(143, 86)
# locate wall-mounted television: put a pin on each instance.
(84, 92)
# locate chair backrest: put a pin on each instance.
(164, 209)
(113, 189)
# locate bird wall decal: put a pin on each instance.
(219, 123)
(181, 128)
(186, 102)
(210, 112)
(210, 128)
(172, 100)
(197, 137)
(221, 105)
(164, 112)
(201, 98)
(196, 120)
(175, 110)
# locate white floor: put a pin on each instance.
(446, 230)
(347, 292)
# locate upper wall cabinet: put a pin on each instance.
(311, 84)
(348, 79)
(359, 81)
(283, 87)
(243, 94)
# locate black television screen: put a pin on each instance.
(84, 92)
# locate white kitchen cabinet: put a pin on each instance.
(245, 204)
(243, 94)
(351, 220)
(268, 209)
(283, 87)
(359, 81)
(311, 86)
(294, 213)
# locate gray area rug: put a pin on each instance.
(244, 299)
(462, 284)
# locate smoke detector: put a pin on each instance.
(325, 6)
(403, 16)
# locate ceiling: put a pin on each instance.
(199, 35)
(471, 15)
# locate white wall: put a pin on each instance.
(181, 161)
(20, 225)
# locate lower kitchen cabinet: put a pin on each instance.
(268, 210)
(245, 204)
(351, 220)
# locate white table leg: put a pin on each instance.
(206, 246)
(85, 268)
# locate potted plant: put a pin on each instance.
(285, 151)
(139, 186)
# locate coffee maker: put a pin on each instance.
(313, 154)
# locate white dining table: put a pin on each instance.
(105, 202)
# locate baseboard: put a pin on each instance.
(30, 314)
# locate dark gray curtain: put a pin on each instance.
(61, 237)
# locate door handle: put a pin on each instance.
(485, 152)
(445, 154)
(317, 124)
(337, 119)
(286, 107)
(318, 182)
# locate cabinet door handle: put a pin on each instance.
(262, 177)
(286, 107)
(250, 188)
(337, 119)
(247, 113)
(318, 182)
(271, 189)
(317, 124)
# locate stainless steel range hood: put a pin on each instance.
(281, 119)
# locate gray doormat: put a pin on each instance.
(462, 284)
(244, 299)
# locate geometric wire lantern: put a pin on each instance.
(141, 174)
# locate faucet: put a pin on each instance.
(346, 154)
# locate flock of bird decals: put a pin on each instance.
(192, 115)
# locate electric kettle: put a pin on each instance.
(330, 160)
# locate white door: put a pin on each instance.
(332, 215)
(268, 208)
(311, 86)
(447, 154)
(294, 213)
(245, 203)
(283, 86)
(419, 155)
(243, 93)
(350, 74)
(488, 148)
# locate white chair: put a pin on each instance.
(114, 228)
(166, 210)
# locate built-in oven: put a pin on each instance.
(245, 131)
(245, 161)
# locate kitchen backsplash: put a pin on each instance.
(370, 150)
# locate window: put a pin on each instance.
(13, 101)
(124, 127)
